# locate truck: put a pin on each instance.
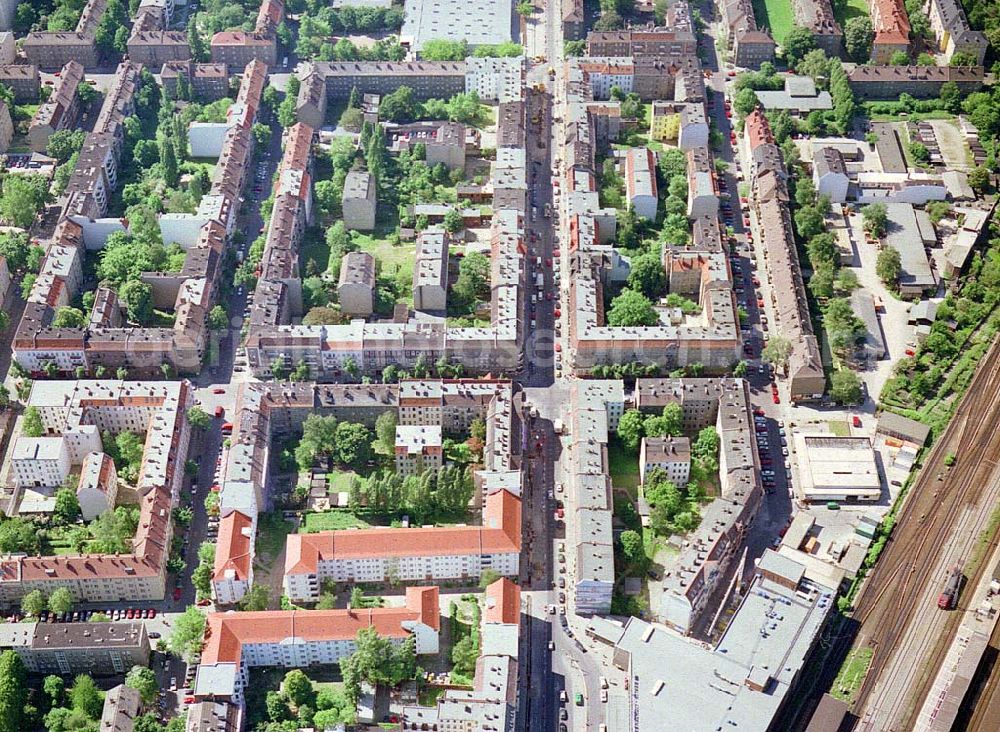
(948, 596)
(557, 425)
(539, 280)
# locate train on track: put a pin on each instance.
(948, 596)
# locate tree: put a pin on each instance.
(845, 387)
(54, 688)
(666, 424)
(352, 119)
(888, 266)
(199, 51)
(453, 222)
(798, 42)
(979, 178)
(22, 198)
(257, 598)
(67, 506)
(876, 219)
(963, 58)
(899, 58)
(67, 317)
(575, 48)
(525, 8)
(189, 628)
(777, 351)
(473, 281)
(919, 152)
(354, 444)
(630, 428)
(400, 105)
(144, 681)
(631, 308)
(138, 299)
(821, 280)
(31, 423)
(13, 691)
(33, 603)
(858, 37)
(632, 546)
(442, 50)
(385, 431)
(745, 102)
(63, 143)
(298, 689)
(85, 697)
(648, 276)
(198, 418)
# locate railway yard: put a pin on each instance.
(944, 517)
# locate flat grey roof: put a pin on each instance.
(480, 22)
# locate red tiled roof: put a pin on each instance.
(234, 546)
(500, 533)
(503, 602)
(758, 129)
(226, 633)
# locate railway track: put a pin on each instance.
(894, 596)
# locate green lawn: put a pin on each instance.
(844, 10)
(341, 480)
(776, 15)
(852, 674)
(271, 532)
(624, 466)
(331, 521)
(839, 428)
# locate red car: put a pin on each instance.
(203, 602)
(559, 349)
(219, 390)
(731, 74)
(219, 411)
(557, 312)
(856, 420)
(776, 399)
(177, 594)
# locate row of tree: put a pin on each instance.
(444, 491)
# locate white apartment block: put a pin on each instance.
(495, 79)
(418, 448)
(98, 486)
(406, 555)
(238, 641)
(39, 462)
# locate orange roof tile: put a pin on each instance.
(234, 546)
(226, 633)
(503, 602)
(500, 532)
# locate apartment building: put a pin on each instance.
(769, 193)
(235, 642)
(98, 487)
(685, 124)
(492, 702)
(595, 408)
(335, 80)
(817, 17)
(191, 292)
(703, 184)
(265, 411)
(97, 649)
(23, 80)
(121, 708)
(53, 50)
(430, 271)
(157, 47)
(830, 174)
(407, 555)
(712, 550)
(892, 29)
(495, 79)
(208, 82)
(356, 287)
(77, 412)
(237, 49)
(418, 448)
(711, 337)
(888, 82)
(640, 182)
(750, 45)
(952, 31)
(60, 111)
(39, 462)
(672, 455)
(359, 202)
